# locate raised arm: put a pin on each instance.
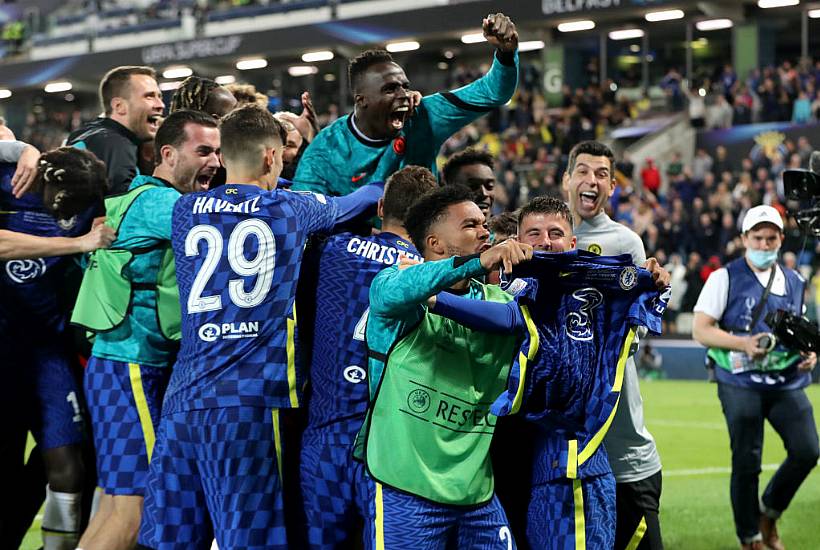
(451, 111)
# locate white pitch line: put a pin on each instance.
(688, 424)
(709, 471)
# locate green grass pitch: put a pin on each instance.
(687, 423)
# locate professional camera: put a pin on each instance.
(803, 186)
(795, 333)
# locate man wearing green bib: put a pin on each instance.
(428, 431)
(129, 298)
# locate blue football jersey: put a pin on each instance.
(33, 285)
(238, 251)
(568, 376)
(338, 368)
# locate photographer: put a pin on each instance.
(758, 379)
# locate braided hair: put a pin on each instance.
(193, 94)
(71, 180)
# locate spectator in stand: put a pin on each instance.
(694, 283)
(651, 177)
(701, 165)
(697, 108)
(722, 163)
(801, 112)
(720, 114)
(677, 272)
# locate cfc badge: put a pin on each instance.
(628, 278)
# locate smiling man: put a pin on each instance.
(132, 106)
(589, 182)
(346, 154)
(129, 298)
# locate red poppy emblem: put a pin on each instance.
(398, 145)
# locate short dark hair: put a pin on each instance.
(243, 130)
(192, 94)
(172, 130)
(545, 205)
(117, 81)
(359, 65)
(404, 188)
(594, 148)
(464, 158)
(505, 223)
(78, 172)
(430, 209)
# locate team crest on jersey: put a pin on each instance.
(355, 374)
(628, 278)
(579, 324)
(595, 249)
(23, 271)
(68, 224)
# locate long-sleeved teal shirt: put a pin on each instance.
(340, 160)
(397, 302)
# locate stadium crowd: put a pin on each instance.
(203, 450)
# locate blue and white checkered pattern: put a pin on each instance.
(338, 368)
(233, 355)
(552, 520)
(412, 522)
(335, 492)
(215, 474)
(120, 438)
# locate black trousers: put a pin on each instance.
(790, 414)
(637, 505)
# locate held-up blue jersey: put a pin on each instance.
(568, 375)
(29, 288)
(238, 251)
(338, 369)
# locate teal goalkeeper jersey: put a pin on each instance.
(341, 160)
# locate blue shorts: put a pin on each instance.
(58, 417)
(125, 402)
(216, 473)
(570, 514)
(334, 489)
(400, 520)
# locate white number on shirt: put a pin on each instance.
(358, 332)
(261, 266)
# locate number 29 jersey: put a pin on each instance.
(238, 251)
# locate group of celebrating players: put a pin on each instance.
(463, 389)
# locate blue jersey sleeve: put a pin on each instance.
(359, 202)
(451, 111)
(481, 315)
